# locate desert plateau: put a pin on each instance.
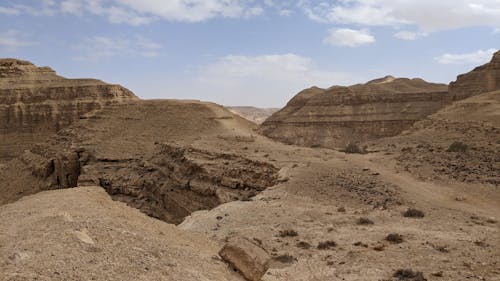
(385, 180)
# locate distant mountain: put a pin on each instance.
(254, 114)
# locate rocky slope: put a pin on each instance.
(337, 116)
(155, 167)
(81, 234)
(482, 79)
(254, 114)
(35, 102)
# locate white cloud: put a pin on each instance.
(478, 57)
(99, 47)
(145, 11)
(285, 13)
(267, 80)
(9, 11)
(348, 37)
(427, 15)
(13, 40)
(409, 35)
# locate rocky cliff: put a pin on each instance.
(482, 79)
(35, 102)
(337, 116)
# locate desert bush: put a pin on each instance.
(458, 147)
(288, 233)
(303, 245)
(365, 221)
(353, 148)
(395, 238)
(285, 258)
(413, 213)
(326, 245)
(408, 274)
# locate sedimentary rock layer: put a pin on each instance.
(35, 102)
(337, 116)
(482, 79)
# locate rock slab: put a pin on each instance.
(248, 258)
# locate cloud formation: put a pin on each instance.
(135, 12)
(96, 48)
(426, 15)
(345, 37)
(271, 78)
(474, 58)
(12, 40)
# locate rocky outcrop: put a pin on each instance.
(337, 116)
(81, 234)
(245, 256)
(482, 79)
(35, 102)
(177, 181)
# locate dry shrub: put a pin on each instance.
(413, 213)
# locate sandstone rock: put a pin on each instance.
(482, 79)
(35, 103)
(337, 116)
(249, 259)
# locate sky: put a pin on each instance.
(249, 52)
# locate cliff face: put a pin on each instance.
(35, 102)
(482, 79)
(339, 115)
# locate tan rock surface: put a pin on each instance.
(247, 257)
(337, 116)
(482, 79)
(35, 103)
(81, 234)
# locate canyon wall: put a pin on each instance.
(482, 79)
(35, 103)
(337, 116)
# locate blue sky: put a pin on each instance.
(249, 52)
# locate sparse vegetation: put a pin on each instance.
(353, 148)
(458, 146)
(285, 258)
(364, 221)
(303, 245)
(327, 245)
(408, 274)
(413, 213)
(288, 233)
(395, 238)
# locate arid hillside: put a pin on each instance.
(337, 116)
(409, 207)
(35, 103)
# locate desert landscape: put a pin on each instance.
(395, 179)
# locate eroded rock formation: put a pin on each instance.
(35, 103)
(337, 116)
(482, 79)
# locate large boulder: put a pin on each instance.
(247, 257)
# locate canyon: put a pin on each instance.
(107, 186)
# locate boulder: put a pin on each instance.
(245, 256)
